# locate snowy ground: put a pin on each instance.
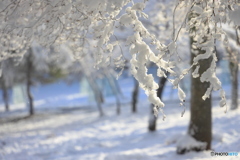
(79, 134)
(67, 126)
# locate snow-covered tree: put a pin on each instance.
(7, 79)
(32, 68)
(135, 96)
(57, 21)
(233, 50)
(83, 67)
(200, 127)
(160, 23)
(152, 124)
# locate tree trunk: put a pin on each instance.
(29, 83)
(114, 89)
(99, 106)
(5, 96)
(152, 122)
(153, 119)
(234, 83)
(233, 65)
(200, 127)
(119, 90)
(97, 94)
(135, 96)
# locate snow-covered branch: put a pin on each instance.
(78, 22)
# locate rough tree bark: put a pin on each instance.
(135, 96)
(152, 123)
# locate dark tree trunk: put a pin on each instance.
(100, 109)
(98, 96)
(234, 83)
(119, 90)
(5, 96)
(233, 65)
(152, 122)
(135, 96)
(200, 127)
(153, 119)
(114, 87)
(29, 83)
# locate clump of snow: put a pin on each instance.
(187, 142)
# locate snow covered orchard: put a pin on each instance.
(92, 23)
